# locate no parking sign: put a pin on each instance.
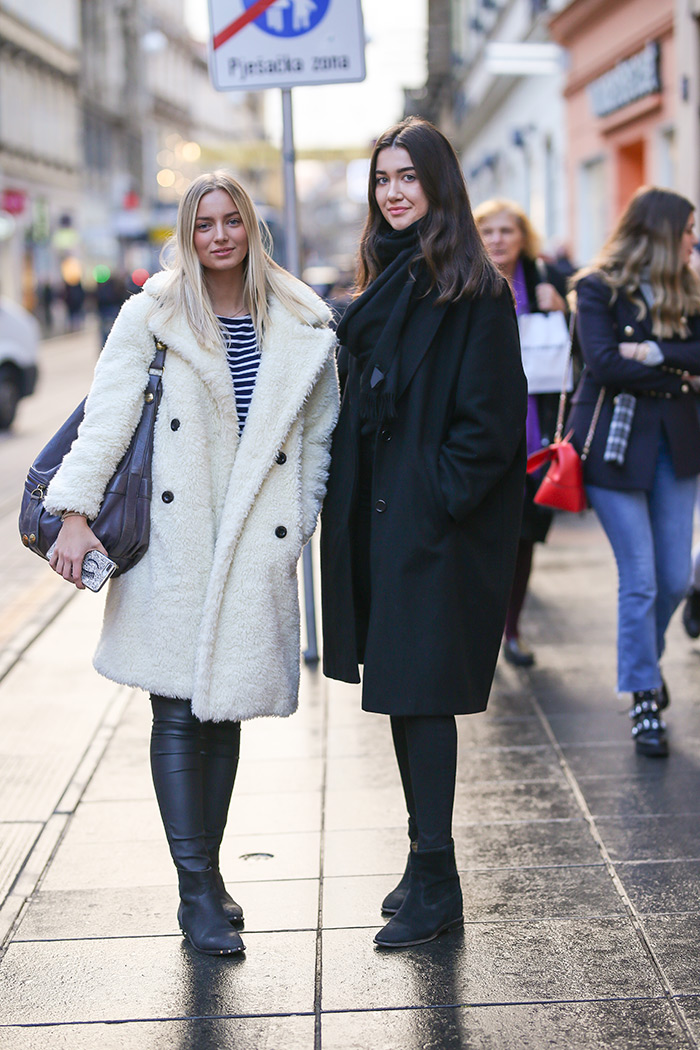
(285, 43)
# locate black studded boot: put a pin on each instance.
(201, 916)
(648, 728)
(176, 764)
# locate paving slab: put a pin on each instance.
(491, 962)
(231, 1033)
(601, 1025)
(154, 977)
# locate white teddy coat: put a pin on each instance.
(211, 613)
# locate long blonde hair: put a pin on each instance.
(496, 205)
(186, 289)
(645, 247)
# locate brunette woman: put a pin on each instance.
(513, 246)
(421, 520)
(638, 324)
(208, 621)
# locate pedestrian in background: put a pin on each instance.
(421, 519)
(638, 322)
(538, 287)
(208, 621)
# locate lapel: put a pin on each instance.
(209, 363)
(292, 357)
(416, 341)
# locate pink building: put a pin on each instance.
(621, 100)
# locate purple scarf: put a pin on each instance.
(533, 434)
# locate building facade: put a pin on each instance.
(624, 95)
(508, 127)
(106, 113)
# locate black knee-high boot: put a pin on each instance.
(177, 776)
(393, 901)
(433, 903)
(220, 751)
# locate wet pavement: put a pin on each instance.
(580, 861)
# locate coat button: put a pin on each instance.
(385, 434)
(629, 330)
(174, 424)
(380, 506)
(280, 532)
(167, 496)
(281, 458)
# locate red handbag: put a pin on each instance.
(562, 486)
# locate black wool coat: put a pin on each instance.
(447, 493)
(665, 401)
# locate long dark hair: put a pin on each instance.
(645, 244)
(456, 260)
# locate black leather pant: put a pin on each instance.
(426, 751)
(194, 769)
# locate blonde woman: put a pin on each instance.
(639, 327)
(208, 621)
(514, 247)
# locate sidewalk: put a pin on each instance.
(580, 861)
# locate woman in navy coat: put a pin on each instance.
(638, 325)
(422, 513)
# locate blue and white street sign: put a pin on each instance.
(285, 43)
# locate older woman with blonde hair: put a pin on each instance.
(638, 322)
(208, 621)
(514, 247)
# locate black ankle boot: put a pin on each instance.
(232, 911)
(648, 729)
(433, 903)
(691, 613)
(201, 917)
(393, 901)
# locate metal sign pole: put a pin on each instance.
(293, 265)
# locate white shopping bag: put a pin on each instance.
(544, 341)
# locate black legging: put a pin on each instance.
(426, 751)
(521, 578)
(194, 768)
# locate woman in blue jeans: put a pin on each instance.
(638, 324)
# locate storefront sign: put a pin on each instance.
(636, 77)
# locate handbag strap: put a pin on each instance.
(559, 431)
(594, 423)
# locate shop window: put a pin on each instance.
(592, 209)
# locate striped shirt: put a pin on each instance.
(243, 359)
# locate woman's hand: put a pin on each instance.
(634, 351)
(548, 298)
(75, 539)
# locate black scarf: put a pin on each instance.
(378, 317)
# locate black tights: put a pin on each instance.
(523, 568)
(194, 768)
(426, 751)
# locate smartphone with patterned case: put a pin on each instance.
(96, 570)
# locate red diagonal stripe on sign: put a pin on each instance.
(248, 16)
